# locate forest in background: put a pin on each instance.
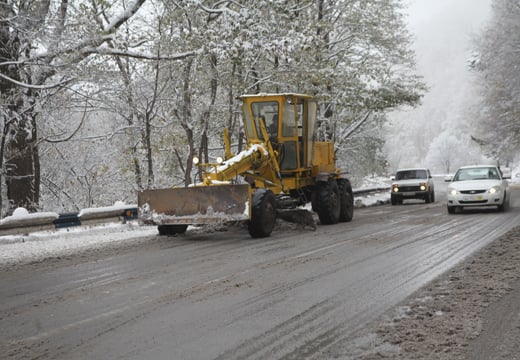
(470, 114)
(100, 99)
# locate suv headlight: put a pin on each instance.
(395, 188)
(422, 186)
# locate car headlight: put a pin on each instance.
(494, 190)
(395, 188)
(453, 192)
(422, 186)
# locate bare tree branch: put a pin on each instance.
(74, 132)
(36, 87)
(219, 10)
(124, 16)
(136, 55)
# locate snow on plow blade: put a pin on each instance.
(195, 205)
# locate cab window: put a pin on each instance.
(268, 112)
(289, 118)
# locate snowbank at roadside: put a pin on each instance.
(63, 242)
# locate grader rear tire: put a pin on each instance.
(328, 203)
(346, 201)
(263, 214)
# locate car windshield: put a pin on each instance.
(410, 174)
(480, 173)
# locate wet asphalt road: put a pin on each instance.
(222, 295)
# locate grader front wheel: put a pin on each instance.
(263, 214)
(170, 230)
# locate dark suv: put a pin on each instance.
(413, 183)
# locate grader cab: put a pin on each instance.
(282, 168)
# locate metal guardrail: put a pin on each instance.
(370, 190)
(52, 221)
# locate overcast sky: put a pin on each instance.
(443, 29)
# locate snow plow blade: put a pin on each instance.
(195, 205)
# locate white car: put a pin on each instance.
(476, 186)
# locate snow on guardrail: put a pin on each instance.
(24, 222)
(22, 219)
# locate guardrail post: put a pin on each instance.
(129, 214)
(67, 220)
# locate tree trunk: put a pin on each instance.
(21, 157)
(206, 115)
(5, 130)
(149, 153)
(22, 166)
(187, 119)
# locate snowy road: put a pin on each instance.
(222, 295)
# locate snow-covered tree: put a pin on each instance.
(497, 67)
(93, 85)
(45, 46)
(42, 42)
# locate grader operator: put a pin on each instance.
(281, 169)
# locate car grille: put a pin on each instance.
(474, 202)
(409, 188)
(471, 192)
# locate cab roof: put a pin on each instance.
(261, 95)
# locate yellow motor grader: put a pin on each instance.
(282, 168)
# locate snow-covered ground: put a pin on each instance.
(62, 242)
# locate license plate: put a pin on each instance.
(473, 197)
